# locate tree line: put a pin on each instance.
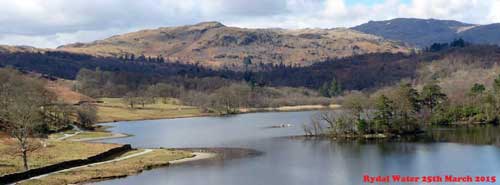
(360, 72)
(211, 94)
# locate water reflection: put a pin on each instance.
(483, 135)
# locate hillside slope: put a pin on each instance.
(13, 49)
(424, 32)
(485, 34)
(213, 44)
(418, 32)
(64, 92)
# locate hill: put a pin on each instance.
(216, 45)
(418, 32)
(13, 49)
(485, 34)
(377, 70)
(358, 72)
(64, 92)
(62, 88)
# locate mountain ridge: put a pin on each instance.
(214, 44)
(424, 32)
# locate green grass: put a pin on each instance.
(113, 109)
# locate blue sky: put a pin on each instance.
(50, 23)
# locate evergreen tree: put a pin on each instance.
(432, 96)
(406, 106)
(331, 89)
(383, 113)
(409, 95)
(496, 93)
(335, 88)
(437, 47)
(496, 85)
(477, 89)
(458, 43)
(323, 90)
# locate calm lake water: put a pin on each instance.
(299, 161)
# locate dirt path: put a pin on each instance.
(66, 136)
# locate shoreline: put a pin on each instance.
(200, 155)
(296, 108)
(170, 117)
(197, 157)
(147, 154)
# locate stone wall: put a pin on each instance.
(19, 176)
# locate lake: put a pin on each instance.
(304, 161)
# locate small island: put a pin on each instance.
(403, 110)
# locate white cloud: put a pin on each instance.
(49, 23)
(494, 16)
(335, 8)
(473, 11)
(57, 39)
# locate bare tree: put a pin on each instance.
(307, 130)
(22, 104)
(227, 100)
(130, 99)
(338, 123)
(163, 91)
(59, 115)
(317, 129)
(86, 115)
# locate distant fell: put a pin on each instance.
(424, 32)
(418, 32)
(216, 45)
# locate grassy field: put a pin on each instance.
(113, 109)
(156, 158)
(56, 151)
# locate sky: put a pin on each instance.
(51, 23)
